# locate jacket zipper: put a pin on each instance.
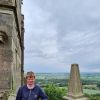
(29, 95)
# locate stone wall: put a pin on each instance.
(11, 47)
(6, 26)
(7, 2)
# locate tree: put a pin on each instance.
(98, 85)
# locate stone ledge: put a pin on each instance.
(69, 98)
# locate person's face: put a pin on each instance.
(30, 80)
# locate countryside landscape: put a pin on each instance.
(50, 81)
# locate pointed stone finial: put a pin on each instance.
(75, 91)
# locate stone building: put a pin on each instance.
(11, 45)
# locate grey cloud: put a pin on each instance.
(61, 32)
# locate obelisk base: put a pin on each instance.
(75, 98)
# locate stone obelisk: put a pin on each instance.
(75, 91)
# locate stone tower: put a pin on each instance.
(75, 91)
(11, 45)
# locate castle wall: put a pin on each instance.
(11, 45)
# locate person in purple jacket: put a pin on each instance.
(30, 91)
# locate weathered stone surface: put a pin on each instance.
(11, 47)
(3, 96)
(6, 23)
(6, 2)
(70, 98)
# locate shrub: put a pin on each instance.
(54, 93)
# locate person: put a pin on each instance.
(30, 91)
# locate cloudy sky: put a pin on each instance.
(59, 33)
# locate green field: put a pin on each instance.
(89, 91)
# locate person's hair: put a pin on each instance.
(30, 74)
